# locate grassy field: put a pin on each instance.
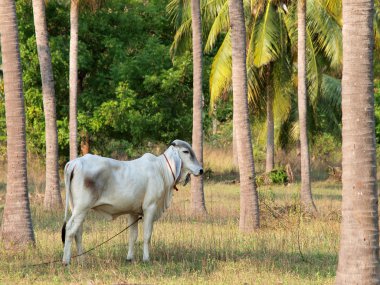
(288, 249)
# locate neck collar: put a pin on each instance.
(171, 170)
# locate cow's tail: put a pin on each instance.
(68, 174)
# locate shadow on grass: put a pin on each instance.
(176, 260)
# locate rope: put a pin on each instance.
(87, 251)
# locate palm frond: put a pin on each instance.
(266, 45)
(326, 32)
(255, 80)
(182, 39)
(282, 87)
(221, 70)
(220, 24)
(312, 68)
(178, 11)
(334, 7)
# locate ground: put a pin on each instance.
(290, 248)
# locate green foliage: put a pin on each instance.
(130, 91)
(278, 176)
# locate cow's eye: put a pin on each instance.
(185, 151)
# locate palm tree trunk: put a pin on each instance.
(52, 198)
(359, 243)
(306, 195)
(16, 228)
(234, 145)
(249, 204)
(197, 193)
(73, 78)
(269, 165)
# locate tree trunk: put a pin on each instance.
(249, 204)
(359, 243)
(16, 228)
(214, 122)
(234, 145)
(306, 195)
(270, 127)
(73, 78)
(197, 194)
(52, 198)
(85, 143)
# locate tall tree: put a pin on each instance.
(306, 195)
(73, 78)
(52, 199)
(249, 204)
(197, 192)
(17, 223)
(359, 243)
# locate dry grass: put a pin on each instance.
(188, 250)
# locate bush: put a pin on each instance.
(276, 176)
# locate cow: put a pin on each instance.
(139, 188)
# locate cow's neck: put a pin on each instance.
(172, 172)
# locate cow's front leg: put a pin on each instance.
(148, 228)
(133, 232)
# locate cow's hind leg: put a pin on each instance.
(72, 227)
(78, 241)
(148, 228)
(133, 232)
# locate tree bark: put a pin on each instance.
(73, 78)
(16, 228)
(235, 159)
(306, 195)
(197, 192)
(359, 243)
(249, 204)
(52, 199)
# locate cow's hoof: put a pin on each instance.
(129, 260)
(65, 263)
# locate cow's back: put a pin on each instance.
(115, 187)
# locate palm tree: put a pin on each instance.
(249, 204)
(179, 12)
(359, 244)
(17, 228)
(52, 198)
(197, 193)
(73, 78)
(306, 195)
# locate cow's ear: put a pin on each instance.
(173, 144)
(178, 164)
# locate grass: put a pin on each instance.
(188, 250)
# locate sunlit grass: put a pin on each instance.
(188, 250)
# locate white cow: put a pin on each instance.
(141, 187)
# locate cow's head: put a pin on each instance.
(190, 164)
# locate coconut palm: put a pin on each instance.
(73, 78)
(197, 193)
(179, 10)
(52, 198)
(306, 195)
(272, 34)
(16, 226)
(359, 244)
(249, 204)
